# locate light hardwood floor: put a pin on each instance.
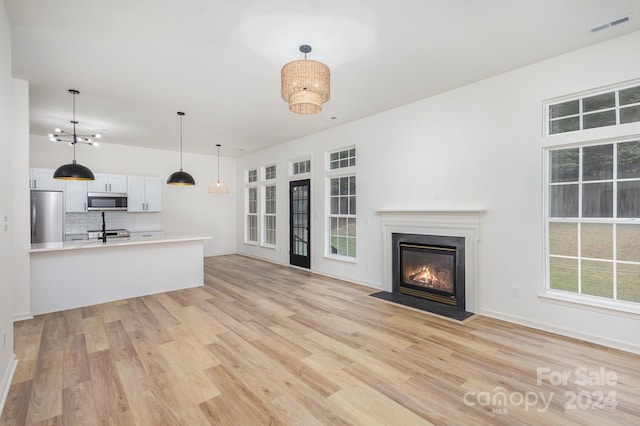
(266, 344)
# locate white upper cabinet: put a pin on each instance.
(108, 183)
(75, 196)
(153, 192)
(43, 179)
(144, 194)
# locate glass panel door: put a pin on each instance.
(299, 222)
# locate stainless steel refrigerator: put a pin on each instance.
(47, 216)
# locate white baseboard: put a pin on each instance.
(315, 271)
(6, 381)
(23, 316)
(576, 334)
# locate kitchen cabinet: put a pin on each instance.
(145, 193)
(43, 179)
(108, 183)
(75, 196)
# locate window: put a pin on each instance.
(301, 167)
(611, 108)
(593, 233)
(342, 203)
(342, 159)
(252, 175)
(252, 215)
(270, 214)
(269, 172)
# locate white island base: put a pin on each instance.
(66, 276)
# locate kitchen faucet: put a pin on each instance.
(104, 230)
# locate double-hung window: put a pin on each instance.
(342, 204)
(269, 206)
(592, 198)
(593, 221)
(251, 206)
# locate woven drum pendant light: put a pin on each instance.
(305, 84)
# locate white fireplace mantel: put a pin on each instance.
(454, 223)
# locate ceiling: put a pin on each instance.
(137, 62)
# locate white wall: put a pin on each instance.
(20, 197)
(477, 147)
(185, 210)
(7, 358)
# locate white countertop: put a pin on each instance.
(96, 244)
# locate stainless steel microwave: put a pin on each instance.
(106, 201)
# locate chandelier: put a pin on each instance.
(305, 84)
(73, 170)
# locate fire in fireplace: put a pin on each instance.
(429, 267)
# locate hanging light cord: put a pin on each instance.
(74, 122)
(218, 163)
(181, 141)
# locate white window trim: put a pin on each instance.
(329, 174)
(608, 306)
(263, 178)
(339, 170)
(576, 300)
(264, 214)
(597, 132)
(246, 216)
(300, 176)
(246, 176)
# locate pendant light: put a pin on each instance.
(305, 84)
(218, 187)
(181, 177)
(73, 170)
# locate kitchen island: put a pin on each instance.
(74, 274)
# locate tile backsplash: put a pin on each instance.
(79, 223)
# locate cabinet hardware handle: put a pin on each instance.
(35, 184)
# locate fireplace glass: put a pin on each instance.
(427, 267)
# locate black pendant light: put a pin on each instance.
(73, 170)
(181, 177)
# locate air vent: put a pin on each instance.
(613, 23)
(599, 28)
(620, 21)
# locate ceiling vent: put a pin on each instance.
(610, 24)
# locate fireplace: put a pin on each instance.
(430, 267)
(429, 232)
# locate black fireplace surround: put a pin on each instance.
(444, 247)
(428, 274)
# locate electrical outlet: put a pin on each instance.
(5, 224)
(515, 292)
